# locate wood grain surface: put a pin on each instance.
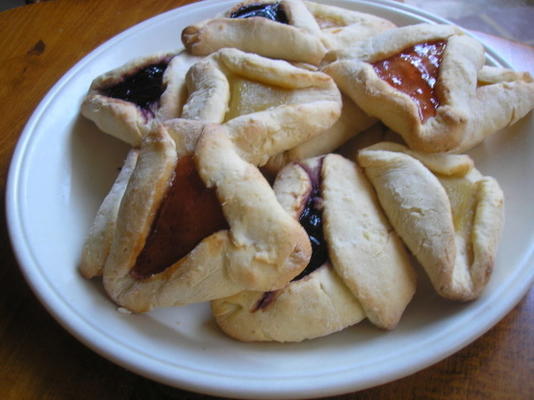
(40, 360)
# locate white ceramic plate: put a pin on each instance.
(63, 167)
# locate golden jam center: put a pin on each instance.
(415, 71)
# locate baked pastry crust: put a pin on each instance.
(447, 213)
(502, 98)
(369, 273)
(364, 249)
(98, 241)
(467, 112)
(301, 36)
(185, 134)
(251, 255)
(308, 308)
(268, 106)
(126, 120)
(341, 28)
(351, 122)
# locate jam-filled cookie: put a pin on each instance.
(422, 82)
(126, 101)
(267, 105)
(282, 29)
(447, 213)
(359, 267)
(198, 226)
(185, 134)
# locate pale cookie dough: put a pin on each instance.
(502, 98)
(448, 108)
(262, 249)
(447, 213)
(341, 28)
(352, 122)
(366, 274)
(125, 119)
(298, 32)
(268, 106)
(98, 241)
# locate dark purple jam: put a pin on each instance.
(264, 300)
(272, 11)
(311, 218)
(143, 88)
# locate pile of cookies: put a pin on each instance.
(288, 164)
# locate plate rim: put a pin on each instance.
(77, 326)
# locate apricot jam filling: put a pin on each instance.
(188, 213)
(415, 71)
(143, 87)
(272, 11)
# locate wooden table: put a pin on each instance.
(39, 360)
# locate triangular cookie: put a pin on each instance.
(307, 30)
(260, 26)
(359, 267)
(422, 82)
(268, 106)
(447, 213)
(126, 101)
(192, 227)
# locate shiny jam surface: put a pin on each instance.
(189, 213)
(143, 88)
(311, 218)
(272, 11)
(415, 71)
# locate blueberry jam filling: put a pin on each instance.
(272, 11)
(311, 218)
(266, 299)
(143, 88)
